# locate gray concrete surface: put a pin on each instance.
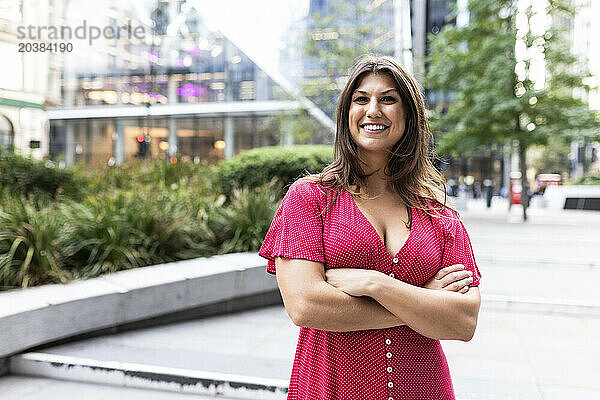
(514, 355)
(567, 238)
(22, 387)
(40, 315)
(145, 376)
(529, 351)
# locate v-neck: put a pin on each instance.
(379, 238)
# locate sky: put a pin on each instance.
(257, 26)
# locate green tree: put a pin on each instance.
(487, 67)
(553, 157)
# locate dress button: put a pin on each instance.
(390, 384)
(390, 398)
(388, 341)
(392, 275)
(388, 355)
(389, 369)
(395, 260)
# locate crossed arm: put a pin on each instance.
(347, 299)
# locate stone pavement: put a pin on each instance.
(20, 387)
(553, 258)
(514, 355)
(538, 335)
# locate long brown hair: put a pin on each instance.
(409, 169)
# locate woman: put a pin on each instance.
(360, 250)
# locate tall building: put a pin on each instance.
(585, 42)
(29, 81)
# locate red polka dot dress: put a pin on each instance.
(378, 364)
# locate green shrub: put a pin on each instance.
(27, 176)
(138, 173)
(42, 241)
(588, 180)
(242, 224)
(121, 230)
(256, 167)
(30, 252)
(143, 214)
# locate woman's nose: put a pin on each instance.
(373, 109)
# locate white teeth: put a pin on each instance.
(374, 127)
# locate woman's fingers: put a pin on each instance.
(459, 285)
(445, 271)
(455, 276)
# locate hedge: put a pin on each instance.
(254, 168)
(27, 176)
(588, 180)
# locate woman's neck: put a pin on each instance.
(377, 182)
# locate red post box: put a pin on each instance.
(516, 188)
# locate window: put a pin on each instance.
(6, 133)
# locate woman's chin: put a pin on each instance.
(371, 147)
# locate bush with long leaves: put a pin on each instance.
(124, 230)
(30, 252)
(137, 217)
(243, 223)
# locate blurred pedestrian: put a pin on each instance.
(371, 264)
(462, 190)
(476, 190)
(451, 187)
(489, 192)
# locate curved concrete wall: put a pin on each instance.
(34, 316)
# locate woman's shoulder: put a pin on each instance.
(311, 183)
(309, 187)
(305, 184)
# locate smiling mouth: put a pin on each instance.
(374, 128)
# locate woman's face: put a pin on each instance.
(376, 116)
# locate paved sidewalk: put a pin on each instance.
(538, 335)
(551, 259)
(514, 355)
(25, 388)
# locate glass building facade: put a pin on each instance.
(198, 138)
(180, 91)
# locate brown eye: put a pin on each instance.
(361, 99)
(388, 99)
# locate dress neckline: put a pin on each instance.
(411, 212)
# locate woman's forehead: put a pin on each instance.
(379, 82)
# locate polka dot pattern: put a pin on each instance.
(395, 363)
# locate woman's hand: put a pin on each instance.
(454, 278)
(353, 281)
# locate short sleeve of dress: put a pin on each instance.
(297, 228)
(457, 246)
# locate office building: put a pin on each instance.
(178, 90)
(30, 81)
